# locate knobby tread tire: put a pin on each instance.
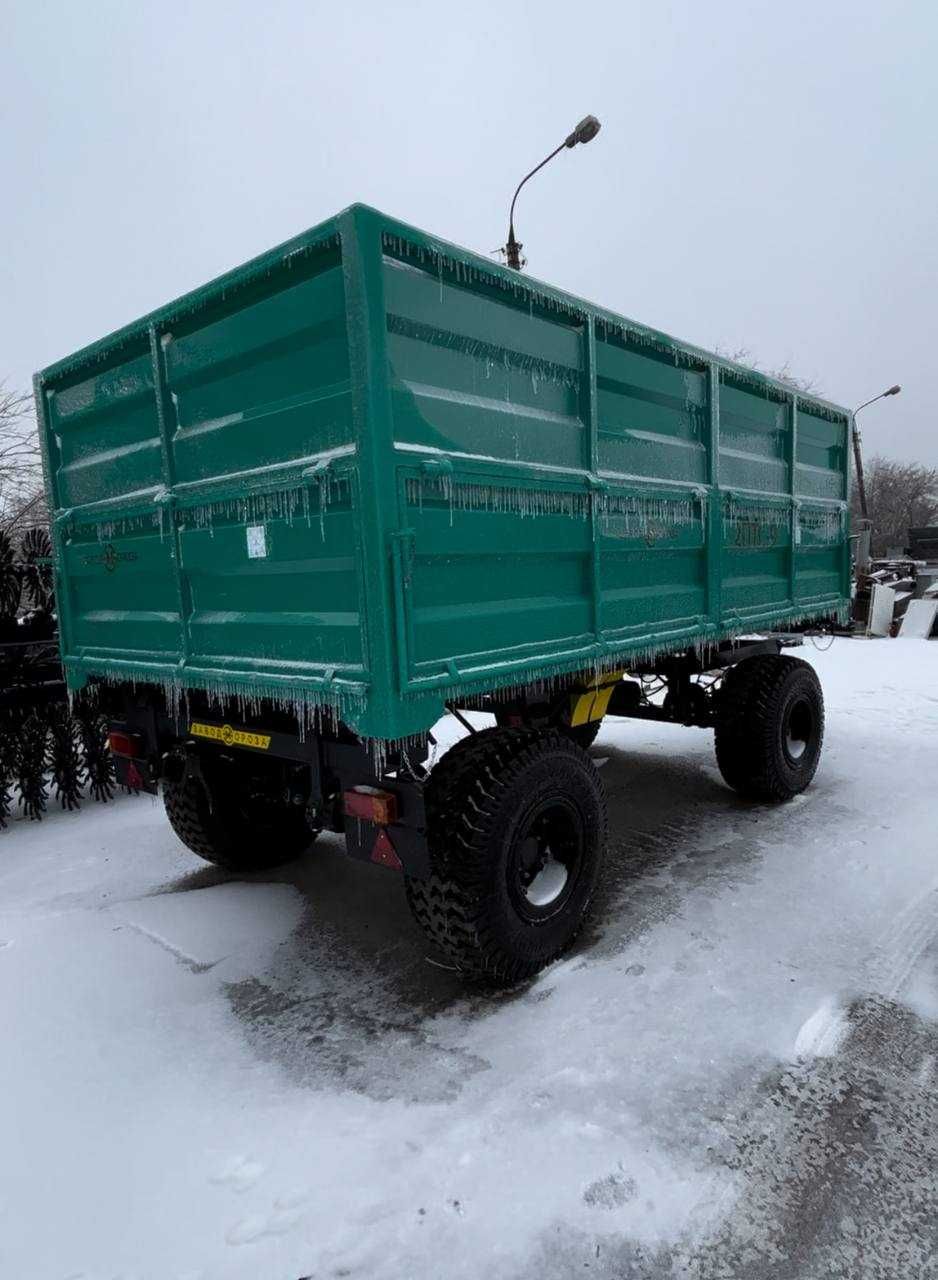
(462, 906)
(750, 724)
(229, 841)
(584, 735)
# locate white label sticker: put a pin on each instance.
(257, 542)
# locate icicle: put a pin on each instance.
(495, 498)
(433, 259)
(822, 525)
(283, 504)
(651, 519)
(749, 522)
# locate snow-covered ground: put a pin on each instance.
(732, 1075)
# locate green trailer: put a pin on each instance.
(370, 477)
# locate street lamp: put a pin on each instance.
(858, 460)
(585, 131)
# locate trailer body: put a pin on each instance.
(374, 473)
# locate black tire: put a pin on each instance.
(584, 735)
(516, 824)
(770, 727)
(217, 817)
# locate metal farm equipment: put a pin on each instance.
(370, 477)
(45, 743)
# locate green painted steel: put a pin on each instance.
(370, 470)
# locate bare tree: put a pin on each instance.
(900, 496)
(745, 356)
(809, 386)
(22, 497)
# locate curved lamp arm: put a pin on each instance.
(585, 131)
(857, 455)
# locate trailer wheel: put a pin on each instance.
(770, 727)
(584, 735)
(225, 818)
(517, 830)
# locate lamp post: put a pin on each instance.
(585, 131)
(857, 458)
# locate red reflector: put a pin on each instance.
(384, 852)
(370, 804)
(134, 780)
(123, 744)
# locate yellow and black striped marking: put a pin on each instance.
(590, 704)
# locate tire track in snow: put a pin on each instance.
(902, 944)
(183, 958)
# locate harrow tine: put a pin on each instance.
(92, 728)
(65, 756)
(31, 765)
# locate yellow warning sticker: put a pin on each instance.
(589, 706)
(230, 737)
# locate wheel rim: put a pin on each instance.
(547, 855)
(798, 730)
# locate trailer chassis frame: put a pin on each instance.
(338, 779)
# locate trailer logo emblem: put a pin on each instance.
(230, 737)
(110, 557)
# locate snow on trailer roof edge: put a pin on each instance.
(325, 233)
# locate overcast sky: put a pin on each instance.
(766, 175)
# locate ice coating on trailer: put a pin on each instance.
(457, 455)
(433, 257)
(537, 295)
(315, 713)
(621, 515)
(312, 710)
(467, 371)
(514, 499)
(748, 517)
(282, 504)
(650, 518)
(488, 356)
(826, 523)
(105, 530)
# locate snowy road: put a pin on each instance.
(733, 1075)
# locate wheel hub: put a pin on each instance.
(799, 729)
(546, 884)
(548, 856)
